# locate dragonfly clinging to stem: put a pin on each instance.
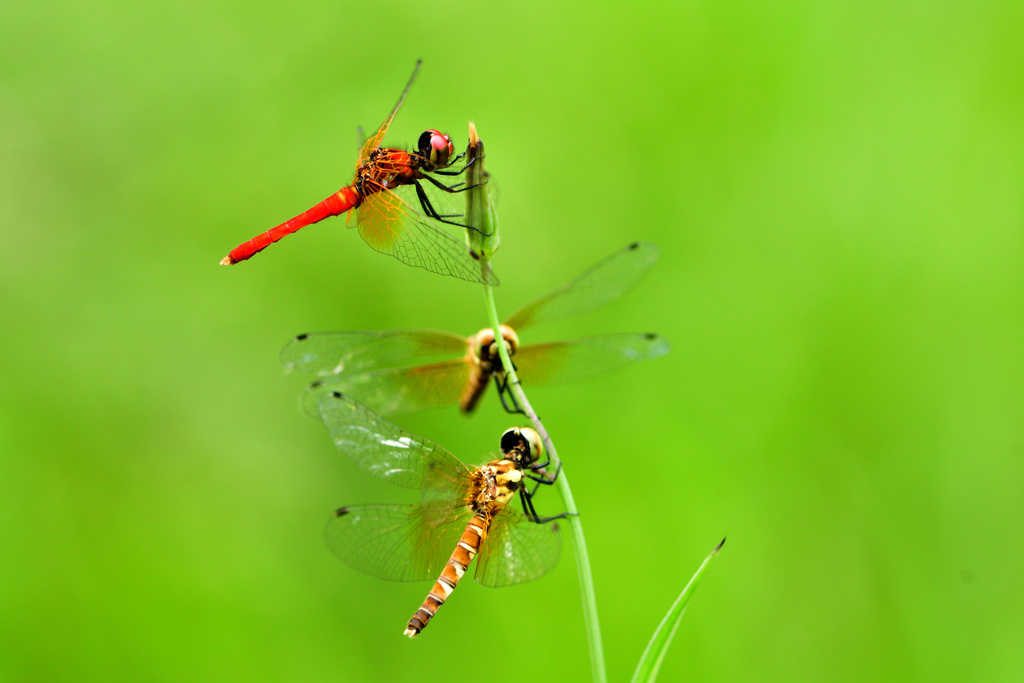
(465, 512)
(389, 370)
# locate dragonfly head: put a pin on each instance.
(486, 348)
(522, 446)
(436, 147)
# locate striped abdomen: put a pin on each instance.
(465, 551)
(338, 203)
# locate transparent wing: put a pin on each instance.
(384, 450)
(396, 390)
(373, 142)
(397, 542)
(599, 285)
(571, 361)
(517, 550)
(392, 226)
(331, 353)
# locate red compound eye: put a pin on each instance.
(436, 146)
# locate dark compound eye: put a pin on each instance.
(511, 440)
(423, 146)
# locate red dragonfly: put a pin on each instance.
(387, 221)
(465, 512)
(388, 371)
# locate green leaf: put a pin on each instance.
(650, 661)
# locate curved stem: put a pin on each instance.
(562, 483)
(484, 241)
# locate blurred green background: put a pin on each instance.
(837, 190)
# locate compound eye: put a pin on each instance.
(436, 146)
(511, 339)
(536, 445)
(525, 441)
(423, 144)
(510, 440)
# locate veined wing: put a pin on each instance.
(391, 226)
(571, 361)
(398, 542)
(601, 284)
(373, 142)
(396, 390)
(517, 550)
(386, 451)
(331, 353)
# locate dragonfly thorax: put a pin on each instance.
(384, 169)
(493, 486)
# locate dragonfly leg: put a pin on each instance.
(545, 520)
(431, 212)
(531, 512)
(502, 391)
(461, 170)
(452, 189)
(539, 482)
(451, 162)
(544, 480)
(532, 515)
(512, 395)
(527, 501)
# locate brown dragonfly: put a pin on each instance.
(465, 511)
(397, 371)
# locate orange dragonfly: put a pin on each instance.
(465, 512)
(381, 199)
(389, 370)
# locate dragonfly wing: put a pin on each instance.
(321, 353)
(396, 390)
(391, 226)
(601, 284)
(331, 353)
(398, 542)
(517, 550)
(384, 450)
(373, 142)
(572, 361)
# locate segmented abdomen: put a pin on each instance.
(465, 551)
(338, 203)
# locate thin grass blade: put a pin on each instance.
(650, 661)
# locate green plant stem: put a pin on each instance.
(579, 543)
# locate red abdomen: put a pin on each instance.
(338, 203)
